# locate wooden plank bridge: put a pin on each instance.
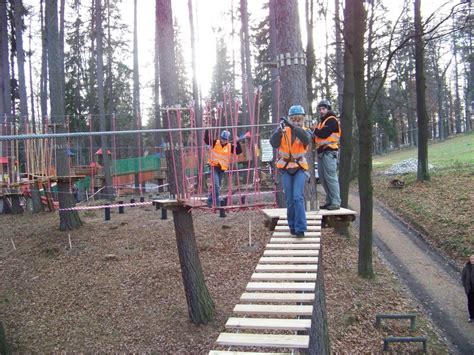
(275, 311)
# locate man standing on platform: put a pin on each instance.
(292, 141)
(327, 135)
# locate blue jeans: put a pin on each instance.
(216, 173)
(293, 186)
(327, 168)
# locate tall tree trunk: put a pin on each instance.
(5, 89)
(422, 114)
(364, 123)
(44, 68)
(68, 219)
(457, 102)
(244, 15)
(108, 189)
(310, 57)
(136, 91)
(200, 304)
(347, 118)
(196, 98)
(32, 96)
(339, 56)
(21, 62)
(276, 89)
(157, 137)
(291, 59)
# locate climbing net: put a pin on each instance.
(246, 184)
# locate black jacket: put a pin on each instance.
(467, 277)
(330, 127)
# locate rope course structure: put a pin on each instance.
(28, 156)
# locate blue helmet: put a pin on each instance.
(225, 135)
(296, 110)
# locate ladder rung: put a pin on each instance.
(266, 340)
(287, 268)
(288, 260)
(282, 310)
(281, 276)
(268, 323)
(291, 253)
(280, 286)
(293, 246)
(277, 297)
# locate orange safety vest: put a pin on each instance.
(334, 138)
(291, 155)
(220, 155)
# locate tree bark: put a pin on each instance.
(347, 118)
(21, 63)
(364, 123)
(200, 305)
(44, 68)
(310, 57)
(247, 73)
(340, 67)
(108, 189)
(422, 114)
(68, 219)
(5, 88)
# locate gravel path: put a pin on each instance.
(430, 278)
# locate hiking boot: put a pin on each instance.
(292, 232)
(300, 235)
(333, 207)
(323, 207)
(470, 320)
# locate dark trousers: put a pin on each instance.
(470, 304)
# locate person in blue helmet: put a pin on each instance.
(292, 142)
(220, 157)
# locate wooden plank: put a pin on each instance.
(291, 253)
(293, 246)
(340, 212)
(268, 323)
(288, 235)
(287, 268)
(293, 240)
(270, 309)
(286, 229)
(310, 222)
(225, 352)
(281, 213)
(280, 286)
(288, 260)
(264, 340)
(275, 297)
(283, 276)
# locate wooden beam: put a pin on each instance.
(287, 234)
(293, 240)
(270, 309)
(277, 297)
(268, 323)
(291, 253)
(288, 260)
(266, 340)
(280, 286)
(293, 246)
(282, 276)
(287, 268)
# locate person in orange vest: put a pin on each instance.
(220, 158)
(327, 135)
(292, 141)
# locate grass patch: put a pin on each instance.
(456, 152)
(441, 209)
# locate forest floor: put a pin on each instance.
(119, 288)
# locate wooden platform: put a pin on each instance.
(275, 311)
(335, 218)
